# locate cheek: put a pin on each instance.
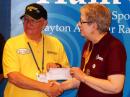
(25, 27)
(39, 25)
(86, 31)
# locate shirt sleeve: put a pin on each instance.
(116, 59)
(10, 59)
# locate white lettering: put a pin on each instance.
(77, 29)
(43, 1)
(60, 2)
(122, 29)
(120, 17)
(77, 1)
(112, 29)
(57, 28)
(116, 2)
(114, 15)
(80, 1)
(93, 1)
(105, 2)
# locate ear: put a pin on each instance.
(95, 27)
(45, 22)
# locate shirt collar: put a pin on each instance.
(104, 39)
(32, 41)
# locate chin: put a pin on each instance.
(82, 34)
(30, 31)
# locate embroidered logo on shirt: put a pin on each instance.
(23, 51)
(99, 58)
(51, 52)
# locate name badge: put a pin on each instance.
(42, 78)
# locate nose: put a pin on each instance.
(79, 24)
(30, 23)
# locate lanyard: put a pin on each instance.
(34, 58)
(87, 57)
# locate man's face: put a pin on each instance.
(32, 26)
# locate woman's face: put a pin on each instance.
(86, 27)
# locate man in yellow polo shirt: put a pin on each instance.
(25, 57)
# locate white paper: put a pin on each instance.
(59, 74)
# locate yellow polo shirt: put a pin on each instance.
(18, 57)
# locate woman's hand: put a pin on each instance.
(77, 73)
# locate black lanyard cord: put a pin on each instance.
(35, 58)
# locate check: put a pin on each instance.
(59, 74)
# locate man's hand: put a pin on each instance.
(53, 65)
(53, 89)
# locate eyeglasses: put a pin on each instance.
(83, 22)
(28, 19)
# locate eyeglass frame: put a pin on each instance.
(83, 22)
(25, 18)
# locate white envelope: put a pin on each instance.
(59, 74)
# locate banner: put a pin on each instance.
(63, 16)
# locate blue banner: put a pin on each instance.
(63, 16)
